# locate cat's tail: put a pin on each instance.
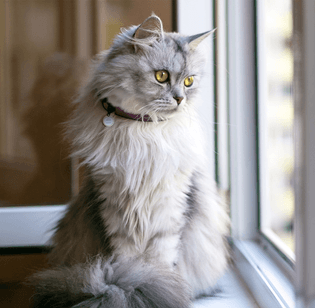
(110, 284)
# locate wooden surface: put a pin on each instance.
(14, 270)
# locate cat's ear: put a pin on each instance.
(151, 27)
(148, 31)
(195, 40)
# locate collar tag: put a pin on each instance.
(108, 121)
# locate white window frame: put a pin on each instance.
(273, 282)
(268, 277)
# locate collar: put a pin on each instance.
(119, 112)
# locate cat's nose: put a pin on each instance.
(178, 99)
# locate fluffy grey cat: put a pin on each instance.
(148, 228)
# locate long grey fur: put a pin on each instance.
(148, 227)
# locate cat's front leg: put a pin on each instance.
(163, 247)
(160, 247)
(203, 254)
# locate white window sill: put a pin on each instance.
(234, 294)
(269, 281)
(23, 226)
(257, 280)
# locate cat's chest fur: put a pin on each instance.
(145, 178)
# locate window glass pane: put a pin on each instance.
(275, 74)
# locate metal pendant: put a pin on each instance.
(108, 121)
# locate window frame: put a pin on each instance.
(255, 257)
(304, 68)
(273, 280)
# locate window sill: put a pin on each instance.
(266, 281)
(35, 225)
(234, 293)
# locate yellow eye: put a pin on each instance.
(189, 81)
(161, 76)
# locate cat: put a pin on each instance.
(148, 228)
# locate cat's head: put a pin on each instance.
(150, 72)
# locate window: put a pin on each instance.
(267, 265)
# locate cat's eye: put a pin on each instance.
(161, 76)
(189, 81)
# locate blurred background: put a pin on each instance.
(45, 49)
(276, 117)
